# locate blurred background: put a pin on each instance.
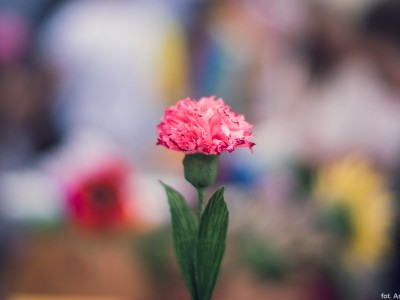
(83, 84)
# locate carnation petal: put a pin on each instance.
(206, 126)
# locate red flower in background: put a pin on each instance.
(99, 200)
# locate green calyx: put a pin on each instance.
(200, 169)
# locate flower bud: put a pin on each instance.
(200, 169)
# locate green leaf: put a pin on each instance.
(184, 231)
(211, 244)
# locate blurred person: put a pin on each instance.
(110, 60)
(275, 79)
(225, 42)
(26, 129)
(330, 100)
(355, 109)
(230, 42)
(115, 65)
(381, 27)
(14, 33)
(346, 108)
(93, 81)
(25, 126)
(337, 95)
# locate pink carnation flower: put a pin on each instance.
(206, 126)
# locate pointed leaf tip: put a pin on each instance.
(211, 244)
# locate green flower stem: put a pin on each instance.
(201, 195)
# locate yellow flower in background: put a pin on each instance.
(353, 186)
